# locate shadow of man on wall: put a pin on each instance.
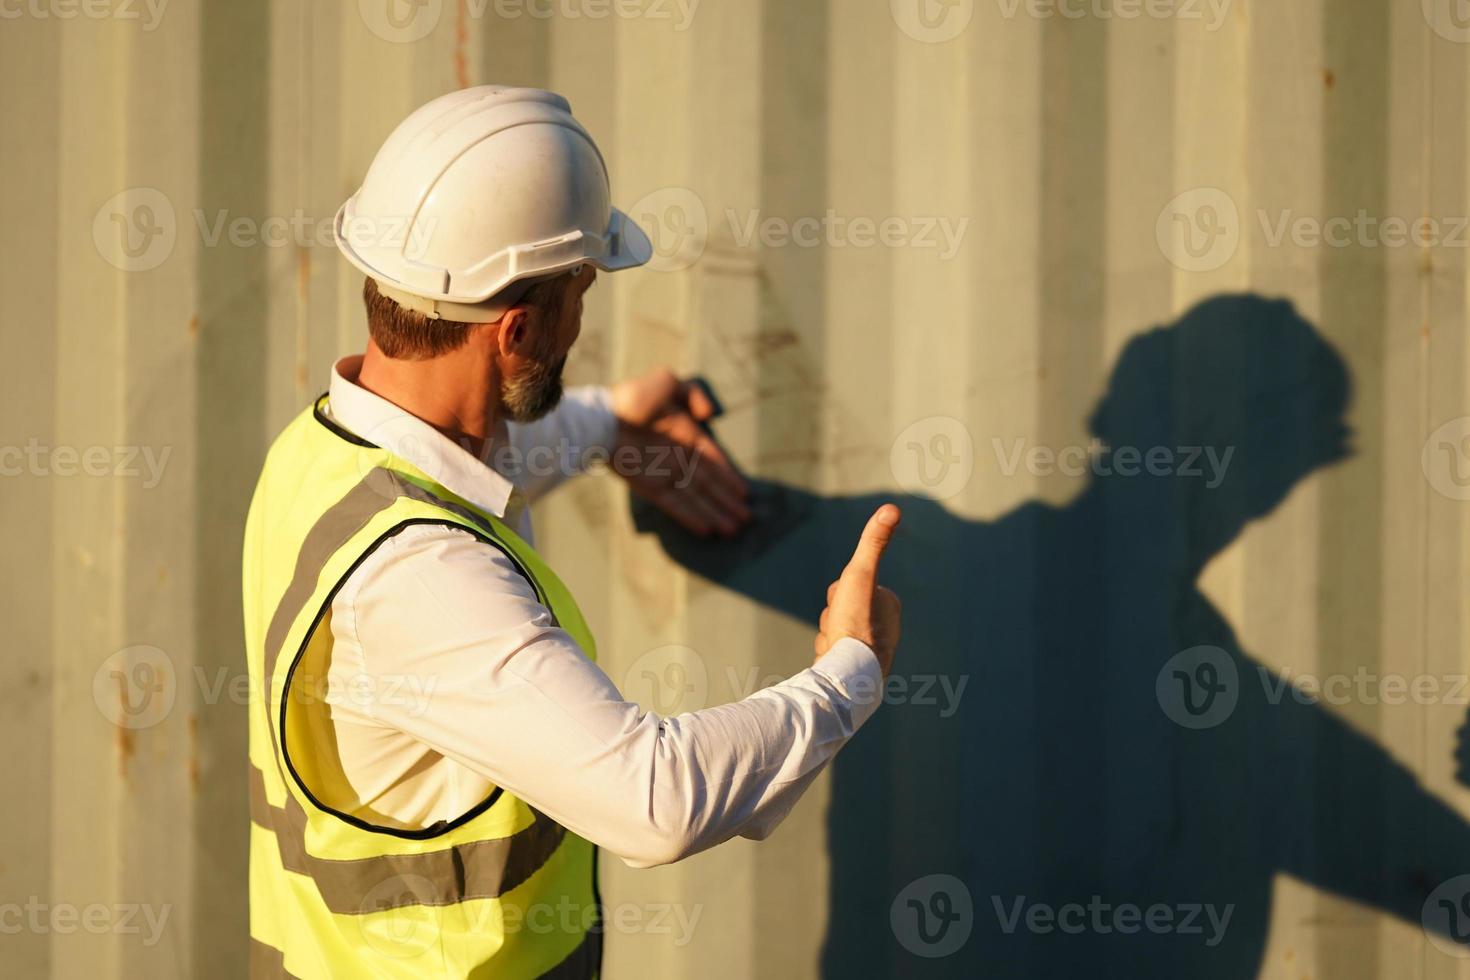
(1078, 770)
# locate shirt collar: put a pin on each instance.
(384, 424)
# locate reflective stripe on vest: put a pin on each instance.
(337, 890)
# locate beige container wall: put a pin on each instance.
(912, 245)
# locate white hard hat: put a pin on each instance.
(479, 190)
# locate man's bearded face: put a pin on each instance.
(536, 389)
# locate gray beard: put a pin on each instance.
(534, 392)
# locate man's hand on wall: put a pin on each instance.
(668, 458)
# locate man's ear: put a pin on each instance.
(513, 335)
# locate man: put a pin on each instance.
(434, 753)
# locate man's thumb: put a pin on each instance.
(862, 569)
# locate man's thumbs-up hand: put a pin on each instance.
(857, 606)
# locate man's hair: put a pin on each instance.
(409, 335)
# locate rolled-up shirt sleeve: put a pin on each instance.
(511, 696)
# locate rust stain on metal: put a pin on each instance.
(192, 765)
(1329, 79)
(461, 42)
(123, 736)
(770, 342)
(643, 321)
(303, 274)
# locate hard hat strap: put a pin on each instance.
(488, 311)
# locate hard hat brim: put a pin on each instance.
(629, 247)
(633, 246)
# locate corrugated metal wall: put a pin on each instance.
(921, 248)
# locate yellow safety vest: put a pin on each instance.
(502, 891)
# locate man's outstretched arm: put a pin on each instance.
(511, 697)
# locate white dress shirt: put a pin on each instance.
(448, 678)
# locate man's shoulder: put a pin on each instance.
(448, 561)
